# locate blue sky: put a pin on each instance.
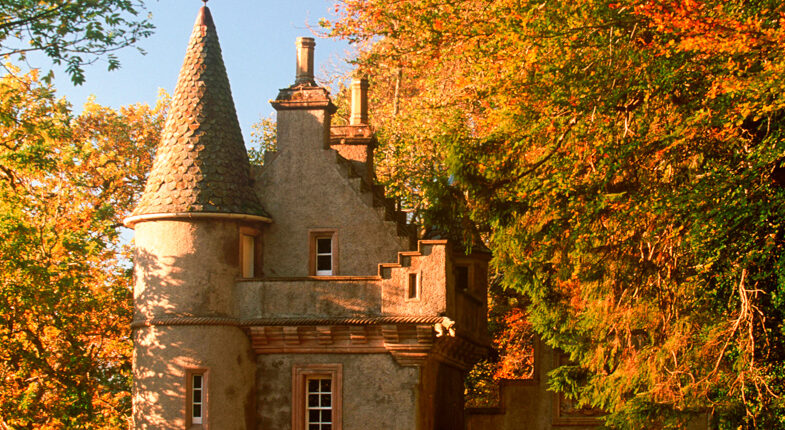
(257, 41)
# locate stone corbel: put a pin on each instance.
(390, 334)
(324, 335)
(358, 335)
(291, 336)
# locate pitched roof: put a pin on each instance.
(201, 164)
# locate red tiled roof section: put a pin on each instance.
(201, 164)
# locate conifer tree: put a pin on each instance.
(623, 159)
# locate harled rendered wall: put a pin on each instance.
(188, 268)
(303, 188)
(378, 394)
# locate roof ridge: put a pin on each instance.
(201, 164)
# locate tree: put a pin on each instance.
(74, 32)
(264, 135)
(623, 159)
(65, 291)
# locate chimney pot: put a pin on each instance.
(359, 102)
(304, 61)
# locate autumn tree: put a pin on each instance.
(66, 182)
(71, 32)
(263, 138)
(624, 161)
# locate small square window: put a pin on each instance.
(324, 245)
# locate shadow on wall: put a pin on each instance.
(308, 298)
(166, 355)
(153, 284)
(153, 390)
(186, 281)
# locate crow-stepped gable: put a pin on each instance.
(293, 295)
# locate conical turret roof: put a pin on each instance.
(201, 164)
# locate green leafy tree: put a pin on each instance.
(71, 32)
(623, 159)
(263, 139)
(66, 182)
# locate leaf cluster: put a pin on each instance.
(74, 33)
(66, 182)
(623, 160)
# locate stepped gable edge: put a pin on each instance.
(201, 166)
(379, 200)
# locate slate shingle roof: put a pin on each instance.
(201, 164)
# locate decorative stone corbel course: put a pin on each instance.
(390, 333)
(291, 336)
(324, 335)
(358, 335)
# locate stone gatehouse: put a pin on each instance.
(293, 295)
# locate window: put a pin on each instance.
(316, 396)
(247, 244)
(250, 252)
(461, 277)
(323, 258)
(196, 399)
(414, 286)
(319, 404)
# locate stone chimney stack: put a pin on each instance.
(304, 74)
(356, 142)
(359, 102)
(304, 109)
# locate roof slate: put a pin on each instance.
(201, 164)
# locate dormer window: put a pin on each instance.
(323, 259)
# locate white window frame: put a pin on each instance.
(320, 395)
(329, 253)
(191, 389)
(301, 374)
(314, 254)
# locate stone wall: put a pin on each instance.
(305, 188)
(187, 269)
(378, 394)
(527, 404)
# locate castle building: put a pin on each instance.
(294, 295)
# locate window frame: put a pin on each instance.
(256, 258)
(469, 288)
(189, 401)
(301, 373)
(314, 236)
(417, 286)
